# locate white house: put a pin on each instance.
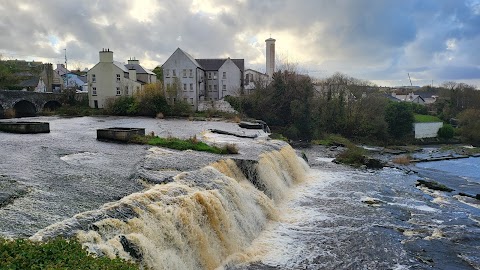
(109, 79)
(194, 80)
(252, 78)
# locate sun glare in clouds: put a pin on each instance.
(144, 10)
(208, 7)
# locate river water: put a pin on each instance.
(335, 218)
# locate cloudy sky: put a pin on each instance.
(376, 40)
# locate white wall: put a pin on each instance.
(232, 81)
(427, 130)
(178, 61)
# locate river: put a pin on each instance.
(335, 217)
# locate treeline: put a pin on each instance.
(301, 109)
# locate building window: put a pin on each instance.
(215, 88)
(191, 73)
(191, 101)
(174, 72)
(224, 87)
(94, 79)
(224, 76)
(94, 91)
(167, 73)
(209, 88)
(184, 73)
(118, 91)
(126, 90)
(184, 87)
(191, 87)
(209, 75)
(118, 77)
(215, 75)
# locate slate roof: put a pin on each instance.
(33, 82)
(139, 69)
(216, 63)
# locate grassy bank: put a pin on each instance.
(423, 118)
(188, 144)
(54, 254)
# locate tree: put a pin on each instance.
(399, 117)
(159, 72)
(151, 100)
(469, 122)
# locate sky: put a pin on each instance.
(377, 40)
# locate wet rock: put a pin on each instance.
(469, 195)
(373, 163)
(11, 190)
(433, 185)
(130, 248)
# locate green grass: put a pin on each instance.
(333, 140)
(422, 118)
(57, 253)
(189, 144)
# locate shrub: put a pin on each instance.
(402, 160)
(123, 105)
(352, 156)
(446, 132)
(188, 144)
(54, 254)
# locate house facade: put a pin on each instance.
(110, 79)
(253, 78)
(195, 80)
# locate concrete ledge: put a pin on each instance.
(121, 134)
(25, 127)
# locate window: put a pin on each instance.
(247, 79)
(224, 87)
(191, 73)
(167, 73)
(94, 91)
(118, 77)
(224, 76)
(191, 101)
(191, 87)
(209, 88)
(94, 79)
(126, 90)
(174, 73)
(184, 87)
(118, 91)
(184, 73)
(209, 75)
(215, 75)
(215, 88)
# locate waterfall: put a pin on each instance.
(194, 222)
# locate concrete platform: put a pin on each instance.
(121, 134)
(25, 127)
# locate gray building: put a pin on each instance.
(194, 80)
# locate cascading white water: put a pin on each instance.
(198, 220)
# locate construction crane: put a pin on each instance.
(409, 79)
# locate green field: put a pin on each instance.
(422, 118)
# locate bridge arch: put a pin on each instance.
(51, 105)
(24, 108)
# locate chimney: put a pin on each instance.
(133, 61)
(270, 56)
(106, 56)
(132, 74)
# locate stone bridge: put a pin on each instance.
(14, 103)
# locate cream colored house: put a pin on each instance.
(110, 79)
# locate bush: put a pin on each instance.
(181, 108)
(352, 156)
(446, 132)
(54, 254)
(123, 105)
(469, 122)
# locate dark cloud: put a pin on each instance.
(373, 40)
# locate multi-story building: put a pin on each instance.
(109, 79)
(194, 80)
